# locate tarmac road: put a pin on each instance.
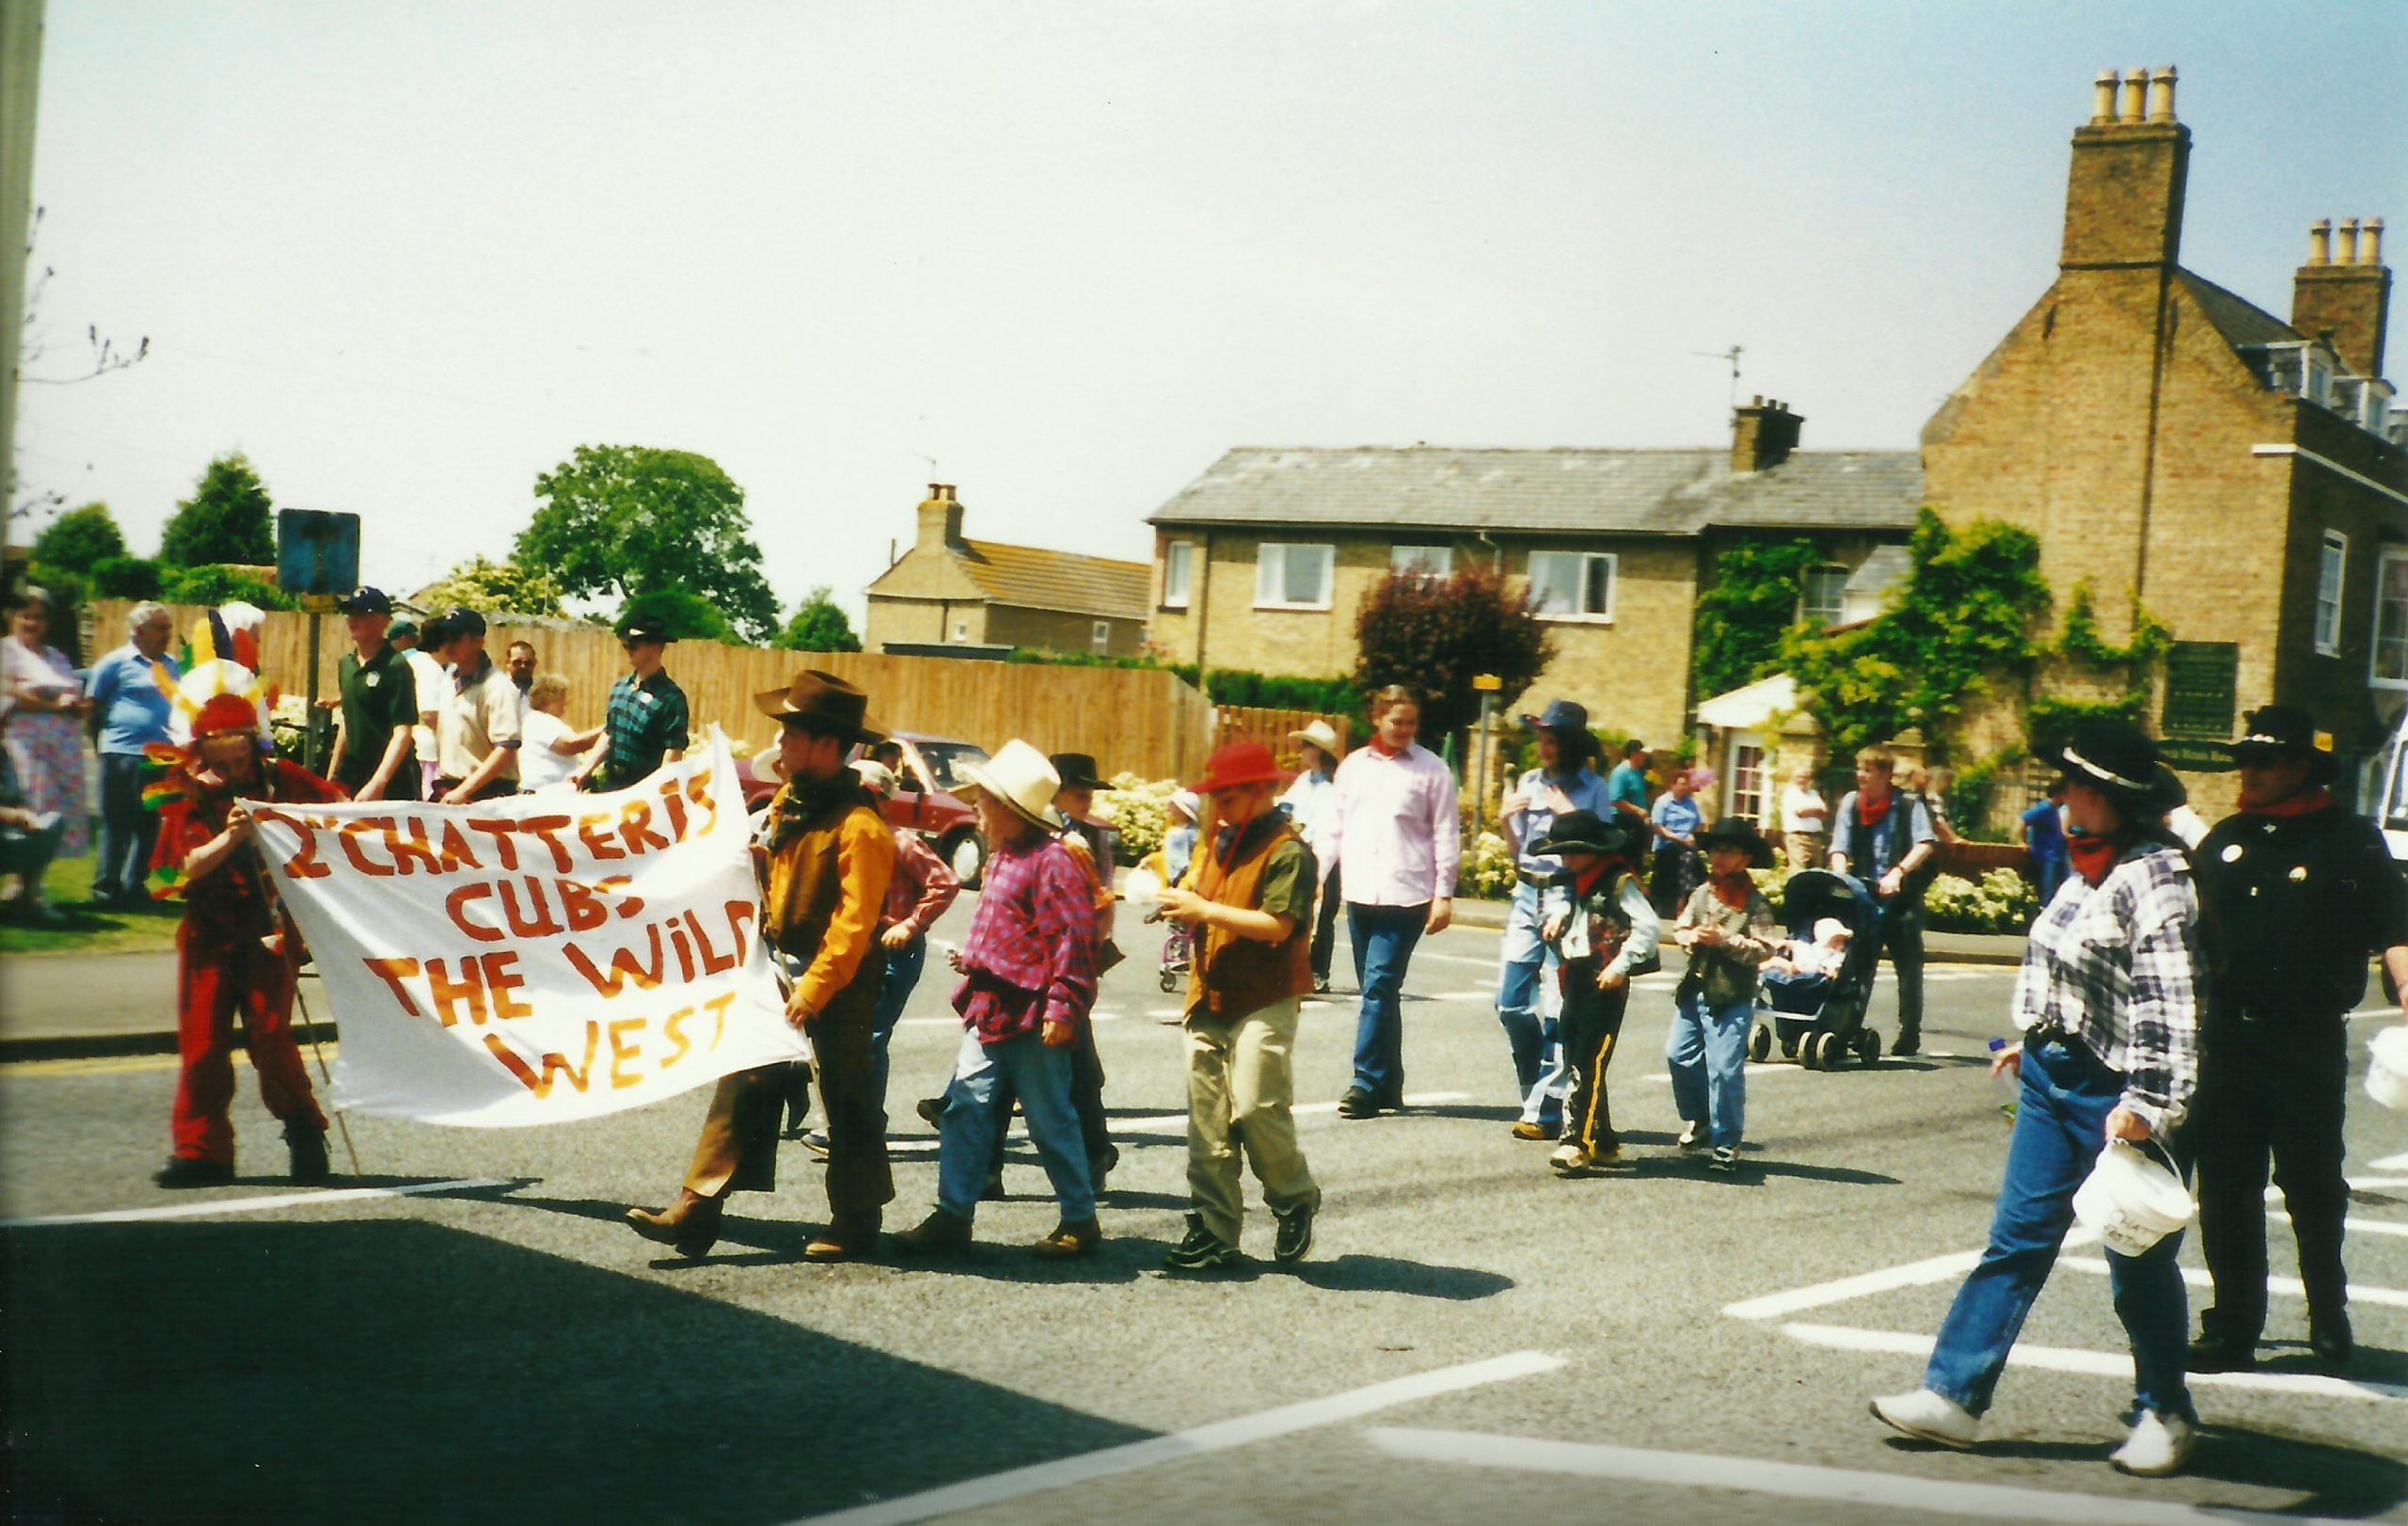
(1473, 1338)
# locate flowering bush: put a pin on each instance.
(1137, 809)
(2005, 902)
(1487, 872)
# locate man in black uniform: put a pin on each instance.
(2296, 893)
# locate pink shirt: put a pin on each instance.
(1393, 831)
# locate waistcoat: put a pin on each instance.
(1235, 975)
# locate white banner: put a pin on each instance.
(538, 958)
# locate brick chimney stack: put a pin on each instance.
(940, 519)
(2345, 290)
(1763, 433)
(2124, 198)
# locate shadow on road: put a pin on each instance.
(2332, 1481)
(1387, 1274)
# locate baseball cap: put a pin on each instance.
(367, 600)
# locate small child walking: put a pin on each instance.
(1606, 933)
(1729, 930)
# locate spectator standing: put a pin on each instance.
(477, 730)
(1729, 930)
(2044, 838)
(1931, 787)
(520, 661)
(430, 684)
(1398, 841)
(1627, 786)
(376, 699)
(647, 723)
(1528, 1000)
(45, 734)
(28, 839)
(548, 751)
(134, 711)
(1311, 799)
(2299, 893)
(1884, 836)
(1676, 820)
(1805, 822)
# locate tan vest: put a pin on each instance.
(1234, 976)
(804, 888)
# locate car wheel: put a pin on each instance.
(965, 854)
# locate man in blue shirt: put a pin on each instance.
(1627, 787)
(2044, 838)
(1527, 1004)
(1884, 836)
(134, 714)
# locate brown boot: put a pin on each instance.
(940, 1234)
(851, 1235)
(1069, 1239)
(691, 1224)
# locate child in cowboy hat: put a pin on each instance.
(1027, 984)
(1606, 930)
(1729, 930)
(1311, 799)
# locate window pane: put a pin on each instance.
(1174, 572)
(1551, 578)
(2328, 595)
(1269, 563)
(2391, 620)
(1430, 560)
(1825, 597)
(1304, 579)
(1598, 588)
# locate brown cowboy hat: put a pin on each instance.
(828, 702)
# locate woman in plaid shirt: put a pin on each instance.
(2107, 1002)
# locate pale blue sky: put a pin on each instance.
(409, 256)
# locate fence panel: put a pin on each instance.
(1248, 722)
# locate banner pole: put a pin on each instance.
(340, 1125)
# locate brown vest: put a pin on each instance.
(1234, 976)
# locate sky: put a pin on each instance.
(409, 256)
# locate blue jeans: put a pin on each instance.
(1707, 1051)
(1383, 937)
(127, 831)
(973, 1123)
(2060, 1127)
(1527, 1004)
(903, 967)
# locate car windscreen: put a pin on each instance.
(944, 757)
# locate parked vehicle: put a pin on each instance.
(923, 800)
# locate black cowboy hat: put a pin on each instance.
(1737, 832)
(2280, 731)
(1560, 715)
(2116, 759)
(643, 628)
(1077, 771)
(1581, 832)
(828, 702)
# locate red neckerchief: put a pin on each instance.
(2094, 856)
(1872, 814)
(1731, 890)
(2307, 802)
(1382, 748)
(1598, 873)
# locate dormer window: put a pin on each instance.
(2310, 368)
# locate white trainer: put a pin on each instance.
(1928, 1417)
(2159, 1445)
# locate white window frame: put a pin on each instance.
(2332, 577)
(1838, 605)
(1280, 554)
(960, 630)
(1103, 636)
(2397, 637)
(1429, 561)
(1179, 567)
(1585, 561)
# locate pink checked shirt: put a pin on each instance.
(1393, 830)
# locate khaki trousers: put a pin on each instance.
(1240, 1087)
(1806, 850)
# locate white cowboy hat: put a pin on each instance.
(1021, 777)
(1320, 734)
(875, 774)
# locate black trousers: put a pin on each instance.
(1325, 926)
(2270, 1090)
(1902, 946)
(1590, 1026)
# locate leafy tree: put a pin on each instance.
(495, 587)
(229, 519)
(224, 585)
(686, 616)
(127, 577)
(79, 539)
(1436, 634)
(632, 519)
(818, 626)
(1741, 619)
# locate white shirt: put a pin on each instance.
(1395, 835)
(539, 766)
(1309, 801)
(433, 685)
(1794, 802)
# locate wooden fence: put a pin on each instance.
(1144, 720)
(1247, 723)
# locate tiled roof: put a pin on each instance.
(1032, 577)
(2238, 320)
(1567, 492)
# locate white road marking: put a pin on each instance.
(2355, 1226)
(1794, 1480)
(251, 1205)
(1490, 963)
(1864, 1284)
(2095, 1363)
(2390, 1163)
(2286, 1287)
(1165, 1120)
(1039, 1478)
(1484, 993)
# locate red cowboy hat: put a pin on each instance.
(1238, 764)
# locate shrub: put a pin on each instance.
(2004, 902)
(1138, 810)
(1487, 871)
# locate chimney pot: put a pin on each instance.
(2345, 249)
(1757, 402)
(2370, 241)
(2161, 95)
(2102, 109)
(2320, 242)
(2135, 95)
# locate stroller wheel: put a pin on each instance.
(1826, 1049)
(1868, 1046)
(1760, 1044)
(1789, 1049)
(1169, 982)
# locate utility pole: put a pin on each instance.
(21, 27)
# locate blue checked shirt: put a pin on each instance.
(646, 719)
(2117, 968)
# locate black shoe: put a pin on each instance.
(1910, 1041)
(1725, 1160)
(186, 1171)
(1357, 1102)
(2328, 1337)
(993, 1190)
(1099, 1166)
(931, 1111)
(1295, 1235)
(1202, 1251)
(2220, 1353)
(939, 1234)
(307, 1145)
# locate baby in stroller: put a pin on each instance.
(1824, 954)
(1817, 986)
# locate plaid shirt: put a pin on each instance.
(1030, 956)
(2117, 968)
(922, 888)
(645, 719)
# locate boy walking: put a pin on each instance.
(1728, 929)
(1250, 904)
(1607, 931)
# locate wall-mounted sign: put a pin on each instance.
(2193, 756)
(2199, 679)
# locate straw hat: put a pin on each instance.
(1021, 777)
(1320, 734)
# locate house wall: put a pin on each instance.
(892, 619)
(1057, 630)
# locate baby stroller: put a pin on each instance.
(1818, 1020)
(1143, 889)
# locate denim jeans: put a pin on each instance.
(2060, 1127)
(973, 1122)
(127, 831)
(903, 967)
(1383, 937)
(1707, 1051)
(1528, 1006)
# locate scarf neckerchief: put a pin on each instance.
(1731, 890)
(2093, 856)
(1601, 871)
(2305, 802)
(1872, 814)
(801, 801)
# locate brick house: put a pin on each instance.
(950, 591)
(1262, 563)
(2241, 476)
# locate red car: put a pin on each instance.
(923, 800)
